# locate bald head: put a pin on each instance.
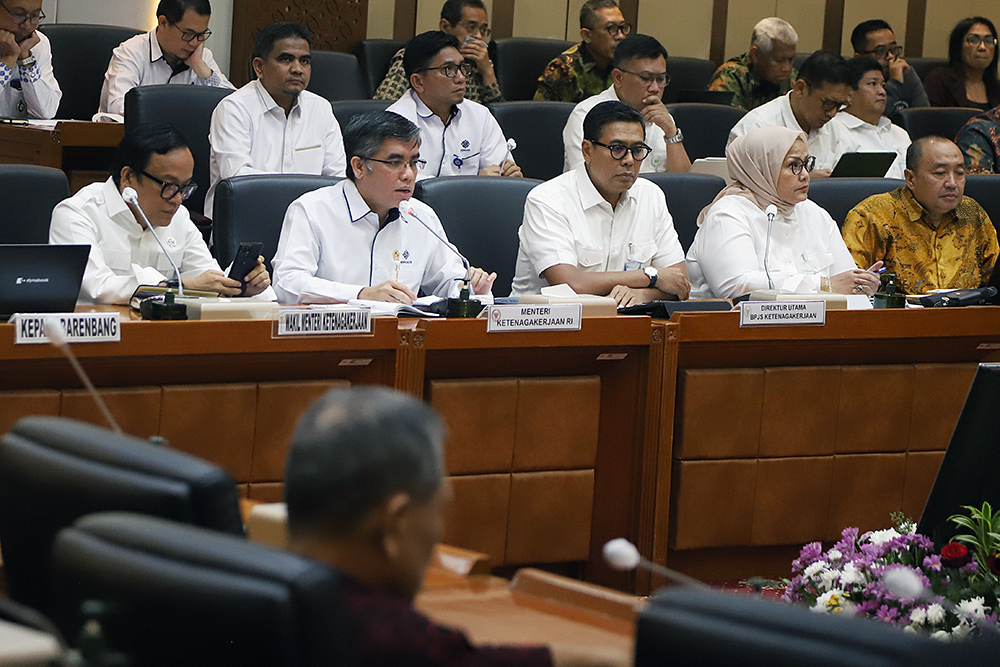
(935, 175)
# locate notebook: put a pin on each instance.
(41, 278)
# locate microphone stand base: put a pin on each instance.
(459, 307)
(155, 308)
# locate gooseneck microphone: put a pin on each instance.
(468, 268)
(464, 305)
(621, 554)
(131, 197)
(56, 332)
(770, 212)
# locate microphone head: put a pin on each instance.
(621, 554)
(771, 210)
(130, 196)
(56, 332)
(903, 583)
(511, 144)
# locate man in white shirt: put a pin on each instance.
(459, 137)
(155, 162)
(862, 126)
(600, 229)
(365, 238)
(28, 88)
(640, 76)
(822, 90)
(273, 124)
(172, 52)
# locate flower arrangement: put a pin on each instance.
(898, 576)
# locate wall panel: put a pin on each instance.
(544, 19)
(691, 37)
(856, 11)
(806, 16)
(942, 15)
(743, 16)
(381, 14)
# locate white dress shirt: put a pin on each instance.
(250, 134)
(726, 258)
(567, 221)
(331, 248)
(778, 112)
(573, 137)
(30, 92)
(471, 141)
(857, 136)
(139, 61)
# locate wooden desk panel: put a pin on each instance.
(80, 148)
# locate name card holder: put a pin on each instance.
(771, 313)
(534, 317)
(29, 328)
(326, 320)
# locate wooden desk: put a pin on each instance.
(80, 148)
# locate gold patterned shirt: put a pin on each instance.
(893, 227)
(396, 83)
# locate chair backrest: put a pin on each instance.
(80, 56)
(189, 109)
(706, 127)
(799, 59)
(985, 189)
(486, 233)
(687, 74)
(839, 195)
(337, 76)
(25, 217)
(345, 110)
(55, 470)
(521, 60)
(941, 121)
(924, 66)
(374, 58)
(537, 127)
(687, 195)
(178, 594)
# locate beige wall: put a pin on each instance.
(942, 15)
(549, 19)
(690, 37)
(856, 11)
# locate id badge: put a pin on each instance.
(632, 265)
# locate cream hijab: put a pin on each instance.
(755, 161)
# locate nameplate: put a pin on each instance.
(535, 317)
(767, 313)
(80, 327)
(323, 321)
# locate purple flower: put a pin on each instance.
(809, 554)
(969, 568)
(933, 562)
(887, 614)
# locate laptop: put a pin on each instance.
(40, 278)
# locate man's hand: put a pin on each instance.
(258, 279)
(28, 43)
(655, 112)
(195, 62)
(10, 50)
(391, 290)
(492, 170)
(482, 282)
(214, 281)
(632, 296)
(897, 68)
(510, 168)
(476, 51)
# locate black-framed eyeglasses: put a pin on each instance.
(615, 28)
(662, 79)
(883, 51)
(796, 166)
(169, 190)
(191, 35)
(985, 40)
(618, 151)
(398, 164)
(21, 19)
(451, 69)
(472, 28)
(832, 105)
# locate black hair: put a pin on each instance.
(638, 47)
(955, 41)
(859, 37)
(365, 134)
(860, 66)
(823, 67)
(174, 10)
(270, 34)
(420, 50)
(606, 113)
(139, 145)
(588, 13)
(451, 11)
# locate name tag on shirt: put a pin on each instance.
(29, 328)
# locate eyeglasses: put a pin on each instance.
(398, 164)
(191, 35)
(618, 151)
(832, 105)
(796, 166)
(986, 40)
(169, 190)
(21, 19)
(451, 69)
(662, 79)
(473, 28)
(615, 28)
(882, 52)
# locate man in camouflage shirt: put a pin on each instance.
(763, 73)
(584, 69)
(466, 20)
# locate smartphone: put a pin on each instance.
(246, 259)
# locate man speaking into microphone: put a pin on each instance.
(365, 238)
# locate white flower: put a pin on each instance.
(935, 614)
(910, 628)
(881, 536)
(828, 578)
(834, 554)
(851, 575)
(814, 569)
(941, 635)
(972, 608)
(918, 616)
(960, 631)
(834, 602)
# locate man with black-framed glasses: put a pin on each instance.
(172, 52)
(903, 88)
(28, 88)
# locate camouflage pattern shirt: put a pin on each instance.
(749, 90)
(395, 84)
(572, 76)
(980, 143)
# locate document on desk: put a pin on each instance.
(386, 309)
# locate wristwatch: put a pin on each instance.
(652, 274)
(677, 138)
(28, 62)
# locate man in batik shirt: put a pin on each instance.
(980, 143)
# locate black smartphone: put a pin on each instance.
(246, 259)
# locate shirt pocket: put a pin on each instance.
(119, 261)
(309, 158)
(641, 251)
(588, 257)
(817, 260)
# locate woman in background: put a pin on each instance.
(970, 79)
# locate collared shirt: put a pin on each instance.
(567, 221)
(250, 134)
(573, 76)
(726, 258)
(739, 76)
(904, 95)
(980, 142)
(858, 136)
(778, 112)
(30, 92)
(470, 141)
(396, 83)
(893, 227)
(573, 137)
(331, 247)
(139, 61)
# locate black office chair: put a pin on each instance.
(520, 61)
(687, 74)
(706, 127)
(486, 233)
(345, 110)
(799, 59)
(839, 195)
(537, 127)
(985, 189)
(924, 66)
(687, 195)
(374, 58)
(940, 121)
(55, 470)
(33, 192)
(337, 76)
(80, 57)
(176, 594)
(252, 207)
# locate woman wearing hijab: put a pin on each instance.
(804, 252)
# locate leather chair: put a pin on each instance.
(374, 58)
(706, 127)
(345, 110)
(337, 76)
(687, 74)
(985, 189)
(687, 195)
(80, 56)
(941, 121)
(799, 59)
(839, 195)
(924, 66)
(537, 127)
(55, 470)
(177, 594)
(520, 61)
(252, 208)
(481, 215)
(33, 192)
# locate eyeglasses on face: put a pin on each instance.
(398, 164)
(796, 166)
(481, 29)
(169, 190)
(191, 35)
(451, 69)
(662, 79)
(986, 40)
(831, 105)
(882, 52)
(21, 19)
(618, 151)
(615, 28)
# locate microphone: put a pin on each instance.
(463, 305)
(770, 212)
(621, 554)
(511, 145)
(57, 337)
(131, 197)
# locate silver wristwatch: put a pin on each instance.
(29, 61)
(677, 138)
(652, 274)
